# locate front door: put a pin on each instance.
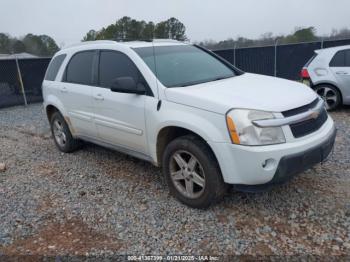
(119, 117)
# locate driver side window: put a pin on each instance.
(114, 65)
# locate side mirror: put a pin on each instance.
(127, 85)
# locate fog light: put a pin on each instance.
(269, 164)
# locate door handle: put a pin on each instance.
(64, 90)
(342, 73)
(99, 97)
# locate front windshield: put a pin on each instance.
(183, 65)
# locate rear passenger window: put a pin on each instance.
(347, 58)
(79, 69)
(54, 67)
(338, 60)
(113, 65)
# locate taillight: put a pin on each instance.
(305, 73)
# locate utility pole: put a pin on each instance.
(234, 54)
(275, 67)
(20, 80)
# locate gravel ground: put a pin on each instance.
(96, 201)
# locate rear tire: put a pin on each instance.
(330, 95)
(192, 172)
(61, 134)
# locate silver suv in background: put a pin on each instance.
(328, 73)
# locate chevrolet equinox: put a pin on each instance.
(181, 107)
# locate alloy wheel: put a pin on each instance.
(59, 134)
(329, 96)
(187, 174)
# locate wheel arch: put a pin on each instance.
(169, 133)
(52, 107)
(50, 110)
(330, 84)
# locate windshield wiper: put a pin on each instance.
(204, 81)
(220, 78)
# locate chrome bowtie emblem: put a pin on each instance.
(315, 114)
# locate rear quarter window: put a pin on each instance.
(54, 67)
(338, 59)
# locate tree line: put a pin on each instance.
(299, 35)
(39, 45)
(127, 28)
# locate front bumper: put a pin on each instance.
(266, 165)
(291, 165)
(299, 162)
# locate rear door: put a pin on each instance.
(76, 90)
(340, 67)
(50, 85)
(119, 117)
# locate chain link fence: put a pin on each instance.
(29, 72)
(285, 61)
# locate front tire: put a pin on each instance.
(330, 95)
(61, 134)
(192, 172)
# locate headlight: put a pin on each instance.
(243, 132)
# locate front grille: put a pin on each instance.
(301, 109)
(309, 126)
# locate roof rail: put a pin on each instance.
(160, 40)
(90, 42)
(121, 40)
(146, 40)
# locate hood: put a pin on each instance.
(250, 91)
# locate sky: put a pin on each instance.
(67, 21)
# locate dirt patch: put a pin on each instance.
(72, 237)
(34, 133)
(262, 249)
(48, 169)
(222, 218)
(48, 202)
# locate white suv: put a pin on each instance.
(184, 109)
